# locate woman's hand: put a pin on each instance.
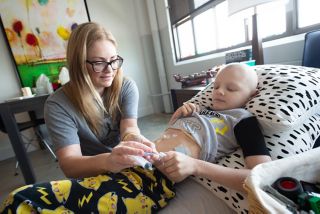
(176, 166)
(186, 110)
(141, 139)
(122, 156)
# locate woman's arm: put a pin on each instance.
(129, 126)
(130, 131)
(75, 165)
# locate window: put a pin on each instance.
(308, 13)
(230, 29)
(202, 27)
(198, 3)
(204, 35)
(272, 18)
(185, 38)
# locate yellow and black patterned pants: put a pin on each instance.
(133, 190)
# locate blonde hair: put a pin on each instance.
(80, 89)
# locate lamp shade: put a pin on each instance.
(235, 6)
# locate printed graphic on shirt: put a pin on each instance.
(217, 120)
(209, 113)
(220, 125)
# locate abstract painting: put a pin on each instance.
(37, 32)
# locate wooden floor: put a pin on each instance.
(46, 169)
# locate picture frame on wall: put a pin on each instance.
(37, 32)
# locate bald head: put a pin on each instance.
(242, 72)
(234, 85)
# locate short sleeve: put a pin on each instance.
(250, 137)
(61, 127)
(129, 99)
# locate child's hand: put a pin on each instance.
(176, 166)
(154, 157)
(184, 111)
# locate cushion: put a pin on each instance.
(287, 109)
(288, 95)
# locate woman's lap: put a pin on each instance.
(191, 197)
(135, 189)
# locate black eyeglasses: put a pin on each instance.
(99, 66)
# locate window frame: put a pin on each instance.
(291, 28)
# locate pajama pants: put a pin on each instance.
(134, 190)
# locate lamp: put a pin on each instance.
(235, 6)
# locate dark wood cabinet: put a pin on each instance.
(179, 96)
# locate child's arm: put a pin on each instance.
(186, 110)
(229, 177)
(177, 167)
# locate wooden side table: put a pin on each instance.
(179, 96)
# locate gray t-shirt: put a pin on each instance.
(213, 131)
(67, 126)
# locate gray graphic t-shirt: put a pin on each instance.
(213, 131)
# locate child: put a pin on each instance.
(209, 134)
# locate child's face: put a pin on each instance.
(233, 88)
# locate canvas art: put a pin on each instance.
(37, 32)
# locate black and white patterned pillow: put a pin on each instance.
(287, 107)
(288, 95)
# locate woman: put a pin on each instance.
(90, 114)
(86, 119)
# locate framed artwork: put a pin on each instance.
(37, 32)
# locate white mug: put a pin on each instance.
(26, 92)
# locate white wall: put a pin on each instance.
(9, 87)
(128, 21)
